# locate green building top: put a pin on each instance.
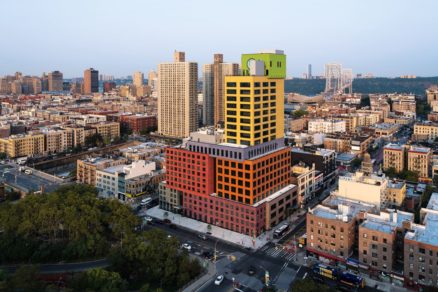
(274, 64)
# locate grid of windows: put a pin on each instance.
(252, 110)
(189, 171)
(253, 180)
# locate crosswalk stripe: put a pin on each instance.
(265, 248)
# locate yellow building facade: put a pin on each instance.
(253, 105)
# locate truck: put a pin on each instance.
(302, 241)
(325, 271)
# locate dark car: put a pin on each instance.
(207, 254)
(167, 221)
(251, 270)
(173, 226)
(202, 236)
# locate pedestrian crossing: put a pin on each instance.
(278, 253)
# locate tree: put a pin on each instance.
(95, 140)
(299, 113)
(269, 289)
(391, 172)
(154, 258)
(12, 196)
(98, 280)
(409, 175)
(25, 278)
(68, 224)
(356, 162)
(125, 130)
(3, 155)
(308, 285)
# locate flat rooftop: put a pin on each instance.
(319, 151)
(419, 149)
(433, 202)
(395, 184)
(427, 234)
(393, 146)
(337, 208)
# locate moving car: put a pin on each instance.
(186, 246)
(149, 220)
(219, 280)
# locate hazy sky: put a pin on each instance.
(385, 37)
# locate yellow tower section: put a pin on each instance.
(254, 109)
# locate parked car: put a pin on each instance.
(173, 226)
(207, 254)
(167, 221)
(149, 220)
(186, 246)
(219, 280)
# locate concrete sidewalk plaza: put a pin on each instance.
(201, 227)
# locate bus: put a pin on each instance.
(352, 280)
(279, 232)
(325, 271)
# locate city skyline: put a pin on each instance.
(387, 39)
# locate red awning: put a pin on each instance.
(326, 255)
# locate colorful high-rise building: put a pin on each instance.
(239, 177)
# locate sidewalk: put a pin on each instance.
(218, 232)
(204, 280)
(382, 286)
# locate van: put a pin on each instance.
(146, 201)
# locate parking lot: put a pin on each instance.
(12, 176)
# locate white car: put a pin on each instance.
(186, 246)
(219, 280)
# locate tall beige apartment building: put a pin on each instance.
(91, 81)
(220, 70)
(23, 145)
(55, 80)
(419, 160)
(213, 90)
(137, 79)
(394, 157)
(425, 131)
(177, 97)
(108, 130)
(153, 79)
(55, 140)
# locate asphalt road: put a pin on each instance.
(65, 267)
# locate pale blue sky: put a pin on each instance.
(385, 37)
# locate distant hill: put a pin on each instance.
(373, 85)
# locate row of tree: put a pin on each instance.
(73, 224)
